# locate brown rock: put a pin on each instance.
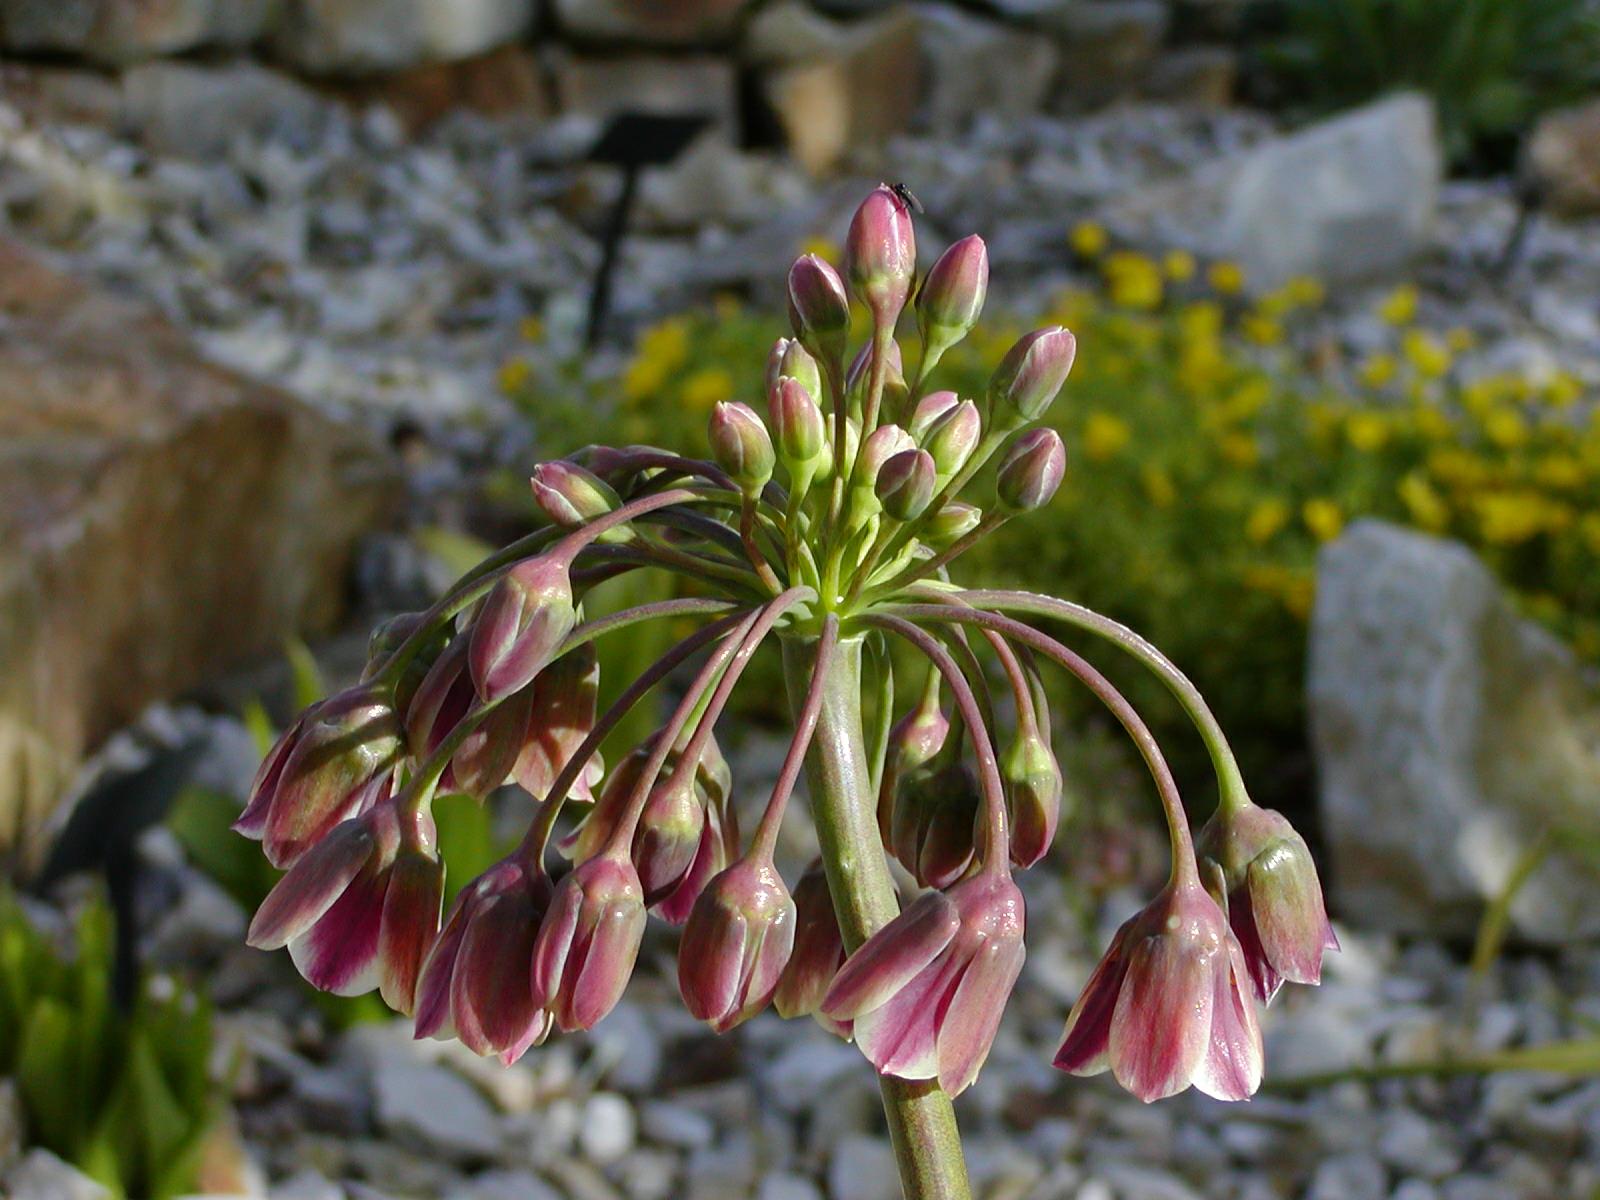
(160, 519)
(1563, 156)
(1198, 76)
(839, 90)
(652, 22)
(506, 83)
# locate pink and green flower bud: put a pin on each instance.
(717, 839)
(521, 626)
(1170, 1005)
(1274, 899)
(389, 637)
(736, 944)
(952, 295)
(929, 409)
(801, 434)
(1031, 470)
(741, 446)
(333, 764)
(913, 742)
(1029, 377)
(668, 837)
(476, 983)
(358, 910)
(934, 824)
(927, 991)
(590, 837)
(790, 358)
(881, 255)
(951, 523)
(570, 496)
(817, 955)
(565, 695)
(905, 484)
(819, 310)
(1033, 796)
(589, 941)
(952, 438)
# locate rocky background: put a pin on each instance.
(260, 261)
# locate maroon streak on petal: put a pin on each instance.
(339, 954)
(410, 925)
(311, 887)
(1087, 1040)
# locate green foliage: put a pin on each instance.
(1492, 65)
(124, 1097)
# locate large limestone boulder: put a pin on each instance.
(121, 31)
(160, 519)
(1450, 733)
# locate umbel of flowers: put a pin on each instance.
(825, 522)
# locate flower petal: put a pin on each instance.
(888, 960)
(339, 954)
(1231, 1066)
(900, 1037)
(1161, 1026)
(973, 1017)
(311, 886)
(410, 924)
(1086, 1042)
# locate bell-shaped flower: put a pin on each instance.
(589, 941)
(817, 955)
(1033, 795)
(519, 629)
(476, 984)
(359, 910)
(668, 836)
(736, 943)
(933, 823)
(1275, 904)
(333, 763)
(564, 700)
(1169, 1005)
(926, 991)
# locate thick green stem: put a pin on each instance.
(922, 1122)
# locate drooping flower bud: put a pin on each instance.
(1169, 1005)
(818, 951)
(929, 409)
(790, 358)
(905, 484)
(668, 836)
(798, 425)
(359, 909)
(334, 763)
(719, 840)
(735, 944)
(934, 823)
(476, 984)
(1031, 470)
(570, 496)
(914, 740)
(952, 296)
(881, 254)
(819, 310)
(1031, 374)
(741, 446)
(389, 637)
(926, 992)
(952, 522)
(589, 941)
(485, 758)
(1033, 796)
(1274, 900)
(952, 437)
(564, 699)
(521, 626)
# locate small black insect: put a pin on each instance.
(906, 197)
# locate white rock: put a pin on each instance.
(609, 1128)
(334, 37)
(684, 22)
(42, 1176)
(1413, 1144)
(1133, 1181)
(506, 1185)
(436, 1107)
(980, 66)
(783, 1185)
(863, 1168)
(674, 1125)
(1348, 1177)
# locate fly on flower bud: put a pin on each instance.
(952, 437)
(1169, 1005)
(881, 254)
(926, 992)
(905, 484)
(741, 446)
(1033, 796)
(952, 522)
(1031, 374)
(589, 941)
(797, 422)
(569, 496)
(819, 310)
(564, 700)
(1274, 900)
(668, 836)
(736, 943)
(790, 358)
(1031, 470)
(521, 626)
(934, 822)
(817, 955)
(952, 296)
(475, 984)
(929, 409)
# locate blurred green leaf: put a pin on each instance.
(309, 685)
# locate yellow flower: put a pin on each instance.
(1265, 520)
(824, 248)
(1399, 307)
(1460, 339)
(1589, 530)
(1200, 321)
(1261, 329)
(1088, 239)
(1508, 518)
(1379, 370)
(531, 329)
(1323, 518)
(1425, 353)
(514, 375)
(1158, 486)
(1248, 399)
(1427, 508)
(1240, 449)
(1226, 277)
(706, 388)
(1559, 471)
(1179, 266)
(1104, 435)
(726, 306)
(1305, 291)
(1133, 280)
(1432, 424)
(1563, 389)
(1367, 431)
(1505, 427)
